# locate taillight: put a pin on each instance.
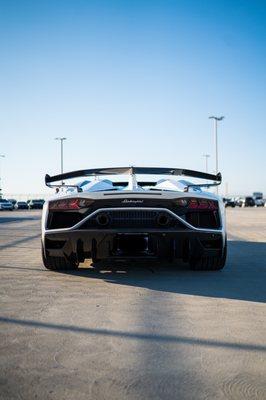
(197, 204)
(193, 203)
(69, 204)
(203, 204)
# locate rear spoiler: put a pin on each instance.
(134, 171)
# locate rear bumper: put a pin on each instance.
(83, 244)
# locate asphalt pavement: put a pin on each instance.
(133, 331)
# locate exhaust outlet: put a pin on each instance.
(163, 219)
(102, 219)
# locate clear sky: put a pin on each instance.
(132, 83)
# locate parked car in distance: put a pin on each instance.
(229, 202)
(259, 202)
(258, 197)
(21, 205)
(240, 201)
(6, 205)
(13, 201)
(247, 202)
(36, 204)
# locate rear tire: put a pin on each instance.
(209, 263)
(58, 263)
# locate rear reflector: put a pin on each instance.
(69, 204)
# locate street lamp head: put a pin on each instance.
(217, 118)
(2, 155)
(60, 138)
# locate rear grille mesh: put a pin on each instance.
(133, 216)
(130, 219)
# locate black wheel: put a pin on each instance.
(209, 263)
(58, 263)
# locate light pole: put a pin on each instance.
(62, 152)
(216, 119)
(2, 156)
(206, 161)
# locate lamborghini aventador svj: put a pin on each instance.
(133, 213)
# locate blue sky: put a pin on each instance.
(132, 83)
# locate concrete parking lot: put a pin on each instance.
(133, 331)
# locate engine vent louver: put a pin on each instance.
(60, 220)
(204, 219)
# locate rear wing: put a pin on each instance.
(217, 179)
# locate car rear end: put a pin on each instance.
(6, 205)
(249, 202)
(36, 204)
(116, 226)
(21, 205)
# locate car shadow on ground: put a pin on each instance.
(243, 277)
(8, 220)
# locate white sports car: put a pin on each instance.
(146, 214)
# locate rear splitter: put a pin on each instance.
(84, 244)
